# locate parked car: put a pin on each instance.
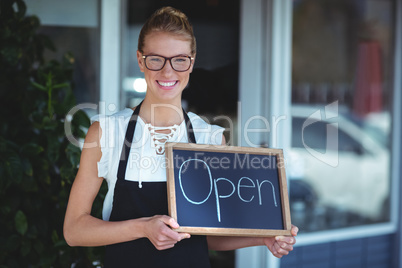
(335, 166)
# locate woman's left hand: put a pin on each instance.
(281, 245)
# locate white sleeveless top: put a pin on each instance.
(146, 161)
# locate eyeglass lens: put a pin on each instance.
(179, 63)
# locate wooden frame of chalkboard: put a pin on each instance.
(227, 190)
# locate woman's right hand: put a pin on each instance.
(159, 230)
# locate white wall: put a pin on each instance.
(74, 13)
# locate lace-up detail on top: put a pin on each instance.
(161, 135)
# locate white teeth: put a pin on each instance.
(168, 84)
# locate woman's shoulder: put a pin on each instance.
(107, 130)
(200, 122)
(120, 117)
(206, 132)
(110, 126)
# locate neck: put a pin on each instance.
(161, 114)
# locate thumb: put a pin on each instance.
(170, 222)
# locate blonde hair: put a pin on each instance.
(169, 20)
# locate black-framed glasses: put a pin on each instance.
(178, 63)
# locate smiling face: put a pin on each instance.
(166, 85)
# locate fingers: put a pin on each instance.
(294, 230)
(174, 225)
(161, 234)
(169, 221)
(285, 240)
(281, 249)
(282, 245)
(285, 243)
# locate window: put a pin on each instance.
(73, 28)
(339, 168)
(86, 57)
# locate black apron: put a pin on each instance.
(132, 202)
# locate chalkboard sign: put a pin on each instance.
(227, 190)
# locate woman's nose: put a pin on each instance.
(167, 69)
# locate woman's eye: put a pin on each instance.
(156, 60)
(179, 60)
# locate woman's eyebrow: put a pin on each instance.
(177, 55)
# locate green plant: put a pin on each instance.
(37, 162)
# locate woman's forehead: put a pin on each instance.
(163, 42)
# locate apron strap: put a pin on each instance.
(190, 130)
(128, 140)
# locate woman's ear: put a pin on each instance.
(192, 64)
(140, 61)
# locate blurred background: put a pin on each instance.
(320, 79)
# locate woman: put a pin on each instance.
(135, 227)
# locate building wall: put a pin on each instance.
(368, 252)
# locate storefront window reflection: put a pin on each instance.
(86, 57)
(339, 163)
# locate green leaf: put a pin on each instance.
(39, 86)
(47, 180)
(21, 223)
(48, 123)
(55, 237)
(26, 247)
(31, 149)
(81, 119)
(27, 167)
(53, 148)
(66, 172)
(73, 154)
(60, 243)
(61, 85)
(14, 168)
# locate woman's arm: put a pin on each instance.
(278, 245)
(82, 229)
